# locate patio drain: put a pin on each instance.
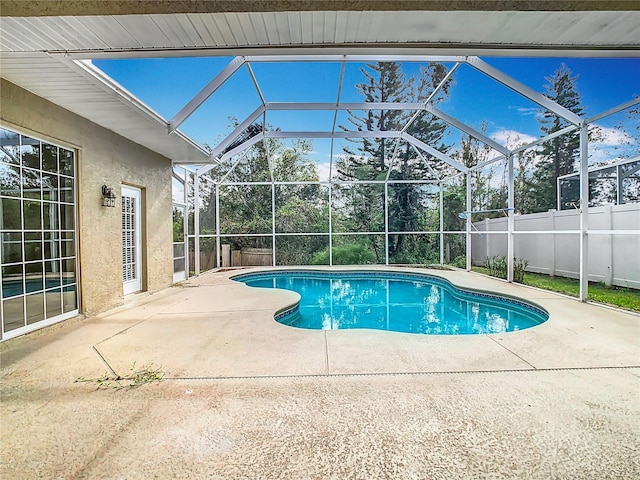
(396, 374)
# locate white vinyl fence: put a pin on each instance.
(613, 258)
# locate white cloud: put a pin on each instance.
(512, 138)
(609, 144)
(612, 136)
(323, 171)
(599, 156)
(526, 110)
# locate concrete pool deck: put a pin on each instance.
(246, 397)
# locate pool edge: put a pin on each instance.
(526, 303)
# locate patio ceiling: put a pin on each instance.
(614, 32)
(39, 42)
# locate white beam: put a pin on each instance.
(218, 247)
(603, 167)
(344, 106)
(108, 84)
(431, 95)
(435, 153)
(628, 173)
(255, 82)
(542, 140)
(205, 93)
(237, 131)
(467, 228)
(342, 134)
(584, 213)
(273, 221)
(611, 111)
(451, 177)
(196, 223)
(523, 90)
(339, 182)
(421, 182)
(242, 147)
(177, 177)
(330, 224)
(467, 129)
(235, 164)
(441, 223)
(511, 222)
(354, 58)
(431, 170)
(444, 81)
(332, 143)
(393, 158)
(337, 53)
(204, 169)
(386, 224)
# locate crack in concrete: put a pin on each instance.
(119, 332)
(512, 352)
(104, 360)
(326, 353)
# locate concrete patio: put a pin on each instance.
(246, 397)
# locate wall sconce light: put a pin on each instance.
(108, 197)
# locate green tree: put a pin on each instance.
(560, 154)
(524, 182)
(248, 208)
(373, 157)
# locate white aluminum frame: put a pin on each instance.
(504, 153)
(619, 177)
(58, 202)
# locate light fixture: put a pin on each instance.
(108, 197)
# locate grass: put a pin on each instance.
(136, 378)
(627, 298)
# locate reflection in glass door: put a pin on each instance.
(179, 243)
(38, 277)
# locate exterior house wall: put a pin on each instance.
(613, 259)
(103, 157)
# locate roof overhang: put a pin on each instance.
(41, 43)
(26, 8)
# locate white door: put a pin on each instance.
(179, 243)
(131, 240)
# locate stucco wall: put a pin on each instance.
(103, 158)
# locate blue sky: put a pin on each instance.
(166, 85)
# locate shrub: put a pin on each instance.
(497, 266)
(519, 266)
(460, 261)
(350, 254)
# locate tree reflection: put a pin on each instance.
(335, 302)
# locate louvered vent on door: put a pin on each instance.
(128, 238)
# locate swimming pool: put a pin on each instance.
(399, 302)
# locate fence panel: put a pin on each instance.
(613, 259)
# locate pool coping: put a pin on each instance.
(239, 320)
(389, 272)
(234, 377)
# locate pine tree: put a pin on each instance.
(561, 153)
(386, 82)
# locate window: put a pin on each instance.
(37, 233)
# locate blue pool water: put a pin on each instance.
(397, 302)
(12, 288)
